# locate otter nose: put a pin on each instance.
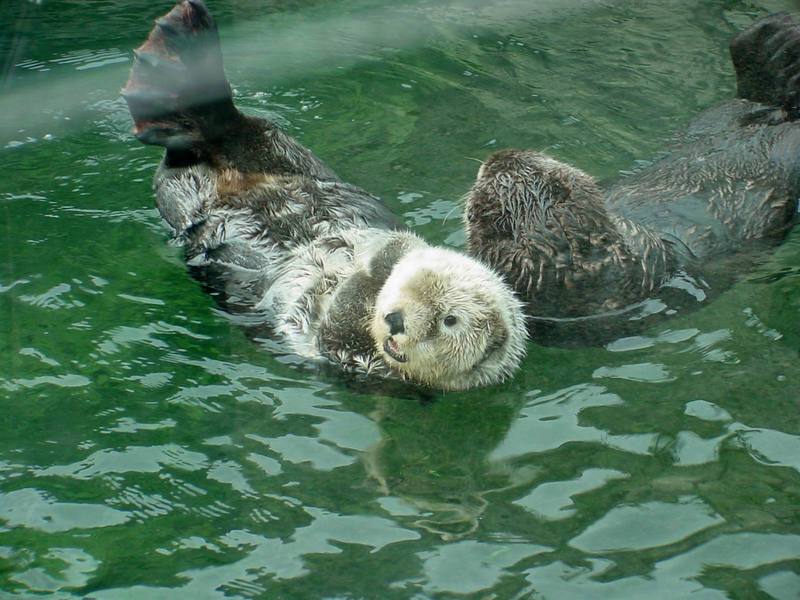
(395, 322)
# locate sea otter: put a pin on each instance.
(575, 253)
(278, 235)
(333, 273)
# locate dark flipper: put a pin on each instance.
(766, 57)
(177, 91)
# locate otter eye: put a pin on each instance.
(450, 320)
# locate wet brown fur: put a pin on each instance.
(573, 250)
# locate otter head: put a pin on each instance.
(542, 224)
(445, 320)
(518, 192)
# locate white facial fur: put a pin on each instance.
(481, 343)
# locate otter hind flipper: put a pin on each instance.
(177, 91)
(766, 57)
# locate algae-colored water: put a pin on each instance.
(149, 449)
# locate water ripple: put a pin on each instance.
(548, 422)
(631, 528)
(552, 501)
(36, 510)
(469, 567)
(299, 449)
(67, 568)
(137, 459)
(81, 59)
(63, 381)
(643, 372)
(675, 577)
(272, 556)
(154, 451)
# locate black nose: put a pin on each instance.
(395, 322)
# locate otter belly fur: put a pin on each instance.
(323, 263)
(574, 252)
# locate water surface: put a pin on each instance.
(149, 449)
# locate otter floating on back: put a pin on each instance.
(333, 273)
(573, 252)
(279, 236)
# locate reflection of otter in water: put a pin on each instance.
(322, 262)
(571, 250)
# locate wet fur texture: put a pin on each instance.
(281, 239)
(334, 274)
(572, 250)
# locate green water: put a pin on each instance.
(149, 449)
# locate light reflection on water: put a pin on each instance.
(150, 449)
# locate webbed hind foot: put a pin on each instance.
(177, 91)
(766, 57)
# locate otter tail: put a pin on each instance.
(766, 57)
(177, 92)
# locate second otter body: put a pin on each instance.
(573, 251)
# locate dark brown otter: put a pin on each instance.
(573, 251)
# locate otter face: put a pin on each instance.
(445, 320)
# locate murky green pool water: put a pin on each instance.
(149, 449)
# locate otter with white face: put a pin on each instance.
(444, 319)
(276, 235)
